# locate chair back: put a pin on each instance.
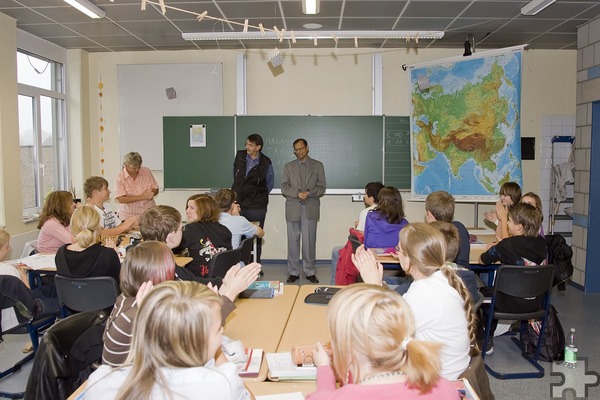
(524, 282)
(86, 294)
(247, 246)
(221, 262)
(355, 242)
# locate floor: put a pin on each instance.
(576, 310)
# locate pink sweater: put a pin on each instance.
(52, 236)
(326, 389)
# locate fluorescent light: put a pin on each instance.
(535, 6)
(310, 6)
(87, 8)
(314, 34)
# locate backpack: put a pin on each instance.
(553, 342)
(559, 255)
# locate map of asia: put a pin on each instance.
(465, 130)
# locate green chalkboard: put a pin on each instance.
(187, 167)
(354, 149)
(350, 147)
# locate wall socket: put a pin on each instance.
(357, 198)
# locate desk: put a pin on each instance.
(260, 323)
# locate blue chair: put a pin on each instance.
(523, 283)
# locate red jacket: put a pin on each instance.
(346, 273)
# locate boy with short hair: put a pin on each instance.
(524, 247)
(230, 217)
(97, 193)
(439, 206)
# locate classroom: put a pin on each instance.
(560, 87)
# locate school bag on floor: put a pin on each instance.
(553, 343)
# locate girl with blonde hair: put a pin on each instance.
(440, 302)
(87, 257)
(176, 334)
(54, 222)
(375, 354)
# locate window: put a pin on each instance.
(41, 129)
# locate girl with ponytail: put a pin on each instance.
(375, 353)
(440, 302)
(86, 257)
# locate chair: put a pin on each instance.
(34, 328)
(247, 246)
(221, 262)
(86, 294)
(355, 242)
(524, 283)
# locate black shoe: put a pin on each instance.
(292, 278)
(261, 273)
(312, 279)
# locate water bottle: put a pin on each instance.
(571, 350)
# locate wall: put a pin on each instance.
(588, 91)
(327, 82)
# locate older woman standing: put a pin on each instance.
(135, 187)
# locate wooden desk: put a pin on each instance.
(260, 323)
(265, 388)
(307, 323)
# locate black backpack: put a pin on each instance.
(559, 255)
(553, 343)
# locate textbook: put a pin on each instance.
(251, 367)
(277, 286)
(282, 368)
(465, 390)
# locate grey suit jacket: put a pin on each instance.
(291, 185)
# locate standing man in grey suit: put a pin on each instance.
(302, 185)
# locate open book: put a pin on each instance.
(282, 368)
(251, 367)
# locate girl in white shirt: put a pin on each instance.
(176, 334)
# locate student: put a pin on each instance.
(510, 194)
(440, 302)
(135, 187)
(230, 217)
(153, 261)
(203, 236)
(176, 334)
(534, 200)
(5, 268)
(524, 247)
(439, 206)
(371, 198)
(86, 257)
(375, 353)
(386, 220)
(97, 193)
(54, 222)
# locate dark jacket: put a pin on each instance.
(252, 192)
(96, 260)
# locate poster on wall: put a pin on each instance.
(465, 124)
(198, 135)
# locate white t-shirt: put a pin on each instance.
(238, 226)
(362, 218)
(208, 382)
(440, 317)
(108, 218)
(9, 318)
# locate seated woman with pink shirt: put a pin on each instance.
(54, 222)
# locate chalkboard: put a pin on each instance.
(397, 171)
(198, 167)
(350, 147)
(354, 149)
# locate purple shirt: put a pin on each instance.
(380, 233)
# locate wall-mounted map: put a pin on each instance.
(465, 125)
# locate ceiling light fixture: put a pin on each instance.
(86, 7)
(312, 35)
(310, 6)
(535, 6)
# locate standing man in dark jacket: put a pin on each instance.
(252, 181)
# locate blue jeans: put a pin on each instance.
(335, 256)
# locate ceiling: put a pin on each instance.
(493, 23)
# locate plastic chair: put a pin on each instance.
(221, 262)
(86, 294)
(525, 283)
(247, 246)
(35, 329)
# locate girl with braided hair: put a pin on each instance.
(440, 302)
